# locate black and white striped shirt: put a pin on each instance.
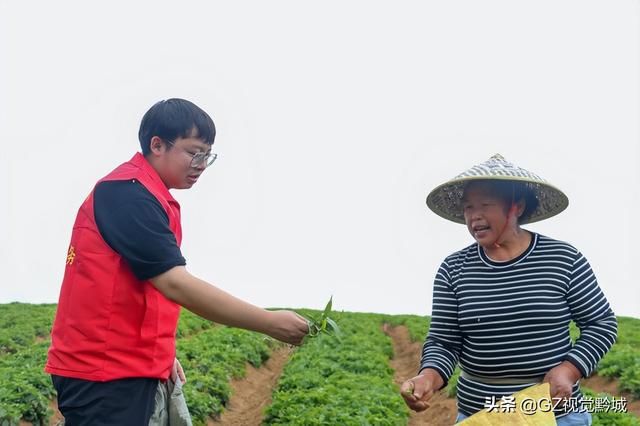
(511, 319)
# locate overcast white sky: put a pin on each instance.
(335, 119)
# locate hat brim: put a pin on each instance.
(446, 199)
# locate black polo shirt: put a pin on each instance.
(134, 224)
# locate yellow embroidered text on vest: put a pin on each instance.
(71, 255)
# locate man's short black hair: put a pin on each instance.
(175, 118)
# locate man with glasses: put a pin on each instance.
(113, 337)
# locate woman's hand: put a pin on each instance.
(178, 372)
(561, 379)
(419, 389)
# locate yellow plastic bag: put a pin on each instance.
(521, 413)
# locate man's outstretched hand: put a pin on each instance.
(287, 326)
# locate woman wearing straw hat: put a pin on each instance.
(502, 306)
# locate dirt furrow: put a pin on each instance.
(252, 394)
(55, 420)
(610, 386)
(405, 362)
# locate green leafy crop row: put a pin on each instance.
(191, 323)
(610, 418)
(344, 381)
(328, 381)
(25, 390)
(22, 324)
(623, 362)
(210, 359)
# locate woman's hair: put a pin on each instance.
(511, 191)
(175, 118)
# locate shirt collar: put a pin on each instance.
(140, 161)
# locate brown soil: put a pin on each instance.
(249, 396)
(610, 386)
(55, 420)
(405, 362)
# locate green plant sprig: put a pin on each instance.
(324, 324)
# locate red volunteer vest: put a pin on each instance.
(110, 325)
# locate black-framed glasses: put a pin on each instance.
(199, 158)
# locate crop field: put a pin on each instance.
(239, 377)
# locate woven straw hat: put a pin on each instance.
(446, 199)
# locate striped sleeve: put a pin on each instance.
(592, 314)
(441, 350)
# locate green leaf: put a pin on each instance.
(332, 326)
(327, 309)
